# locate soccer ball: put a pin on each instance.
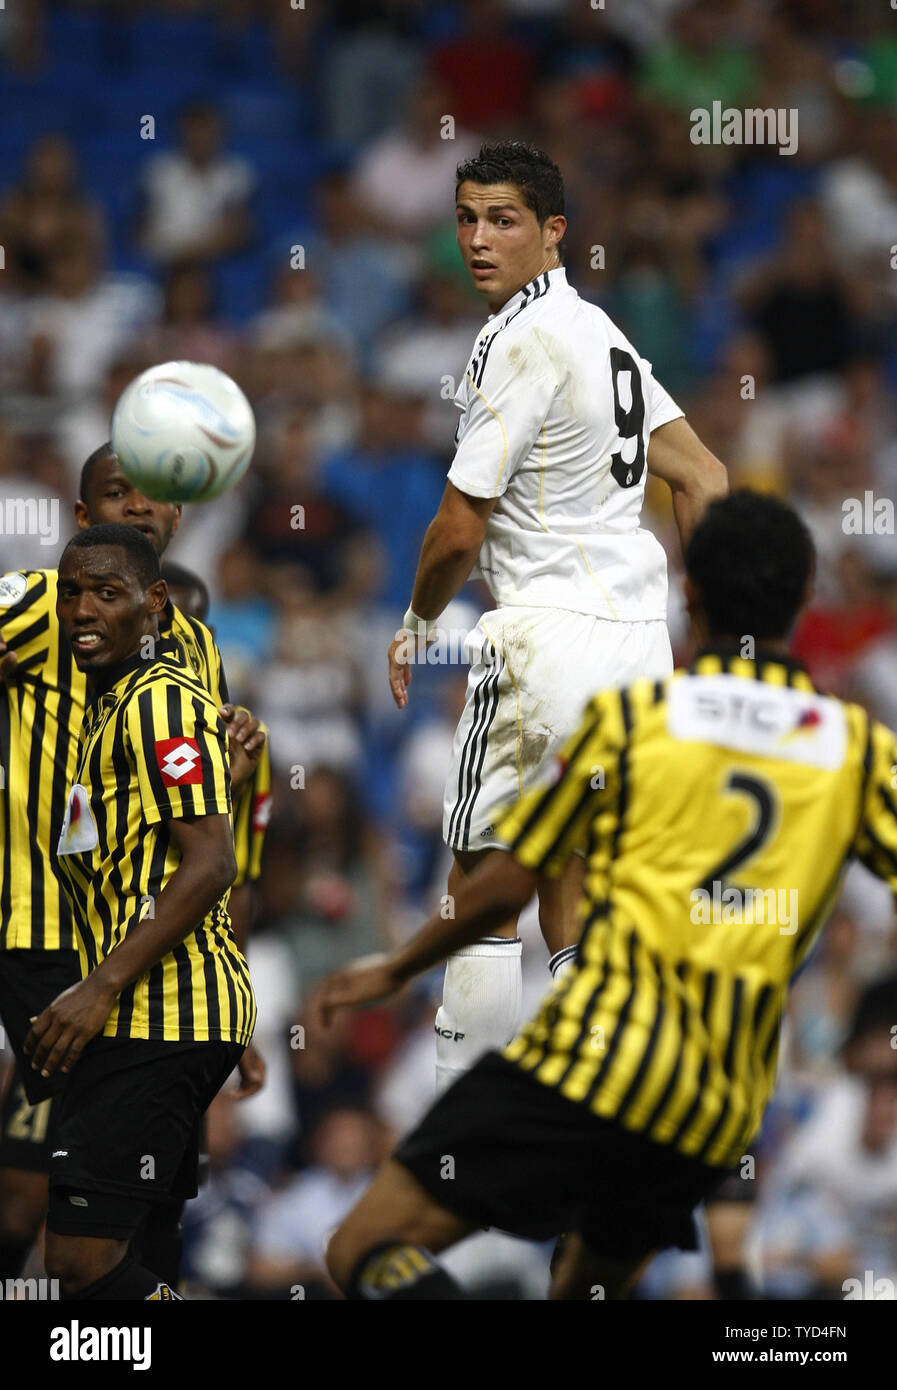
(183, 432)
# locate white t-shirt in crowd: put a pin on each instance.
(185, 201)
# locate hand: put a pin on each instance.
(252, 1069)
(59, 1035)
(246, 739)
(400, 667)
(9, 662)
(363, 982)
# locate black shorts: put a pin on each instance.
(29, 981)
(127, 1131)
(26, 1130)
(500, 1149)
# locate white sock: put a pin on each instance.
(482, 1002)
(562, 961)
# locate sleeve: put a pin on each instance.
(179, 748)
(216, 680)
(554, 820)
(875, 843)
(25, 616)
(661, 406)
(510, 393)
(252, 812)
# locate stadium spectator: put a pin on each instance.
(83, 320)
(47, 212)
(196, 196)
(800, 303)
(828, 1209)
(405, 177)
(488, 70)
(188, 329)
(292, 1226)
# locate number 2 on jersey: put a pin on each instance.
(629, 422)
(763, 797)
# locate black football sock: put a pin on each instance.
(128, 1282)
(401, 1272)
(161, 1240)
(13, 1255)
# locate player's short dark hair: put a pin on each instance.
(179, 577)
(527, 167)
(751, 559)
(90, 465)
(142, 557)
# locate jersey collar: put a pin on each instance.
(106, 680)
(764, 656)
(549, 279)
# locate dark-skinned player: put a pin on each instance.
(41, 708)
(145, 854)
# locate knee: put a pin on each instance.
(64, 1262)
(22, 1210)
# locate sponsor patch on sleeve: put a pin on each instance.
(261, 811)
(180, 761)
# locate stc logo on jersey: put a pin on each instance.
(180, 761)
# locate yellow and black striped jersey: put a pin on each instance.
(153, 750)
(716, 811)
(252, 811)
(41, 711)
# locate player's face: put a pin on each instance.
(501, 242)
(102, 607)
(113, 497)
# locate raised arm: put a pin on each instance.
(693, 474)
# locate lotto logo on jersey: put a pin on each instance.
(180, 762)
(261, 811)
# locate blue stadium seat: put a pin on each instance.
(163, 41)
(241, 287)
(74, 36)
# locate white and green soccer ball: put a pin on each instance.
(183, 432)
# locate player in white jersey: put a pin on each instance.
(561, 422)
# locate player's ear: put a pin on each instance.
(158, 594)
(82, 515)
(176, 519)
(557, 226)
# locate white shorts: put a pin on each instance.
(532, 673)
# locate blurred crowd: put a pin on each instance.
(271, 190)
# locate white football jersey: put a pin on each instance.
(557, 408)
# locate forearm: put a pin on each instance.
(188, 896)
(443, 570)
(691, 499)
(499, 889)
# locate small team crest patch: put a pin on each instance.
(12, 588)
(79, 832)
(162, 1293)
(180, 762)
